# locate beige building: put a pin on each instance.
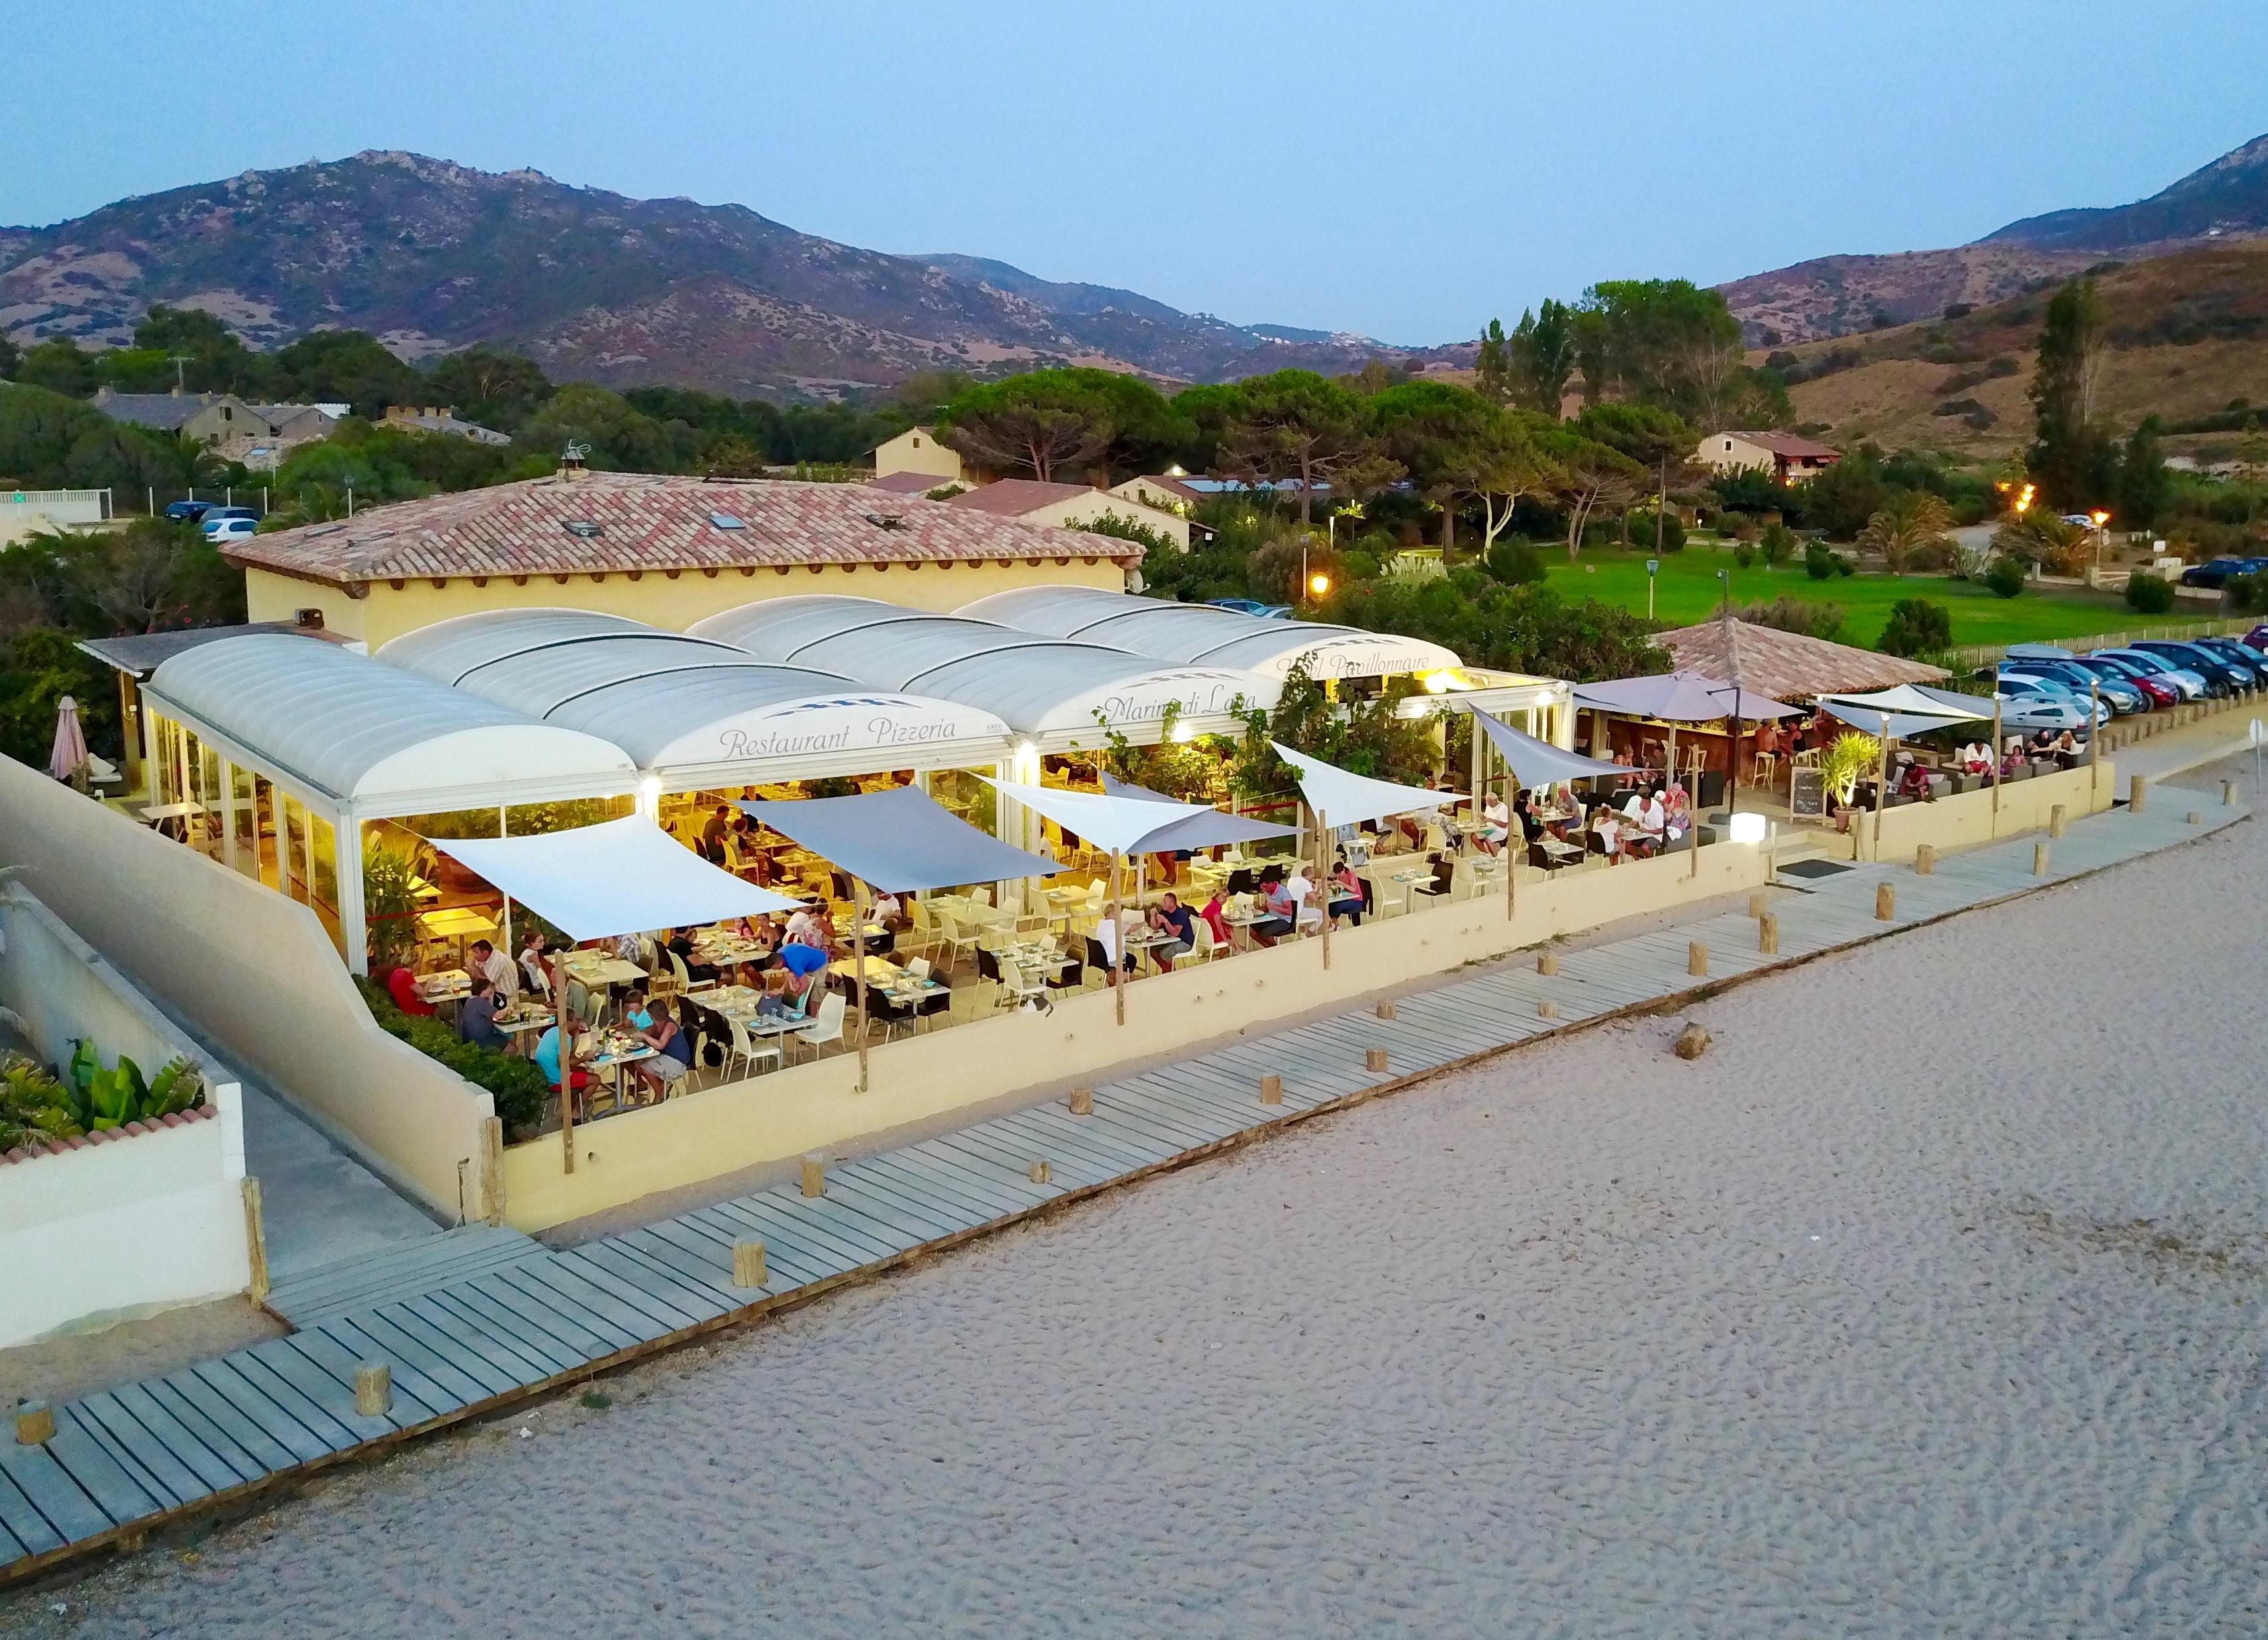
(918, 450)
(667, 549)
(1162, 490)
(258, 435)
(1788, 458)
(442, 419)
(1069, 507)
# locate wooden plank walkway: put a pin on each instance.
(472, 1321)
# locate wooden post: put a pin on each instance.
(1040, 1172)
(2193, 817)
(1886, 903)
(373, 1389)
(2055, 821)
(1547, 1009)
(565, 1029)
(491, 1170)
(1272, 1089)
(1116, 950)
(1373, 1058)
(1882, 785)
(814, 1175)
(1768, 934)
(2094, 738)
(859, 938)
(2228, 793)
(1697, 958)
(1757, 903)
(1547, 962)
(255, 1240)
(1082, 1101)
(1994, 830)
(1925, 860)
(1323, 879)
(2138, 790)
(1385, 1010)
(35, 1422)
(749, 1265)
(2039, 860)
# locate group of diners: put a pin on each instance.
(1643, 818)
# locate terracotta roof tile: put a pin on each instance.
(1786, 665)
(653, 522)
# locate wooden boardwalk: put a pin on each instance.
(470, 1322)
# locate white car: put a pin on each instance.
(232, 529)
(2026, 704)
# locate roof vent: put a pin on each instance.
(887, 520)
(726, 521)
(583, 529)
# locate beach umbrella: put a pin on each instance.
(69, 756)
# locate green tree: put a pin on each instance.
(1916, 626)
(1841, 499)
(2149, 594)
(1911, 526)
(1494, 366)
(619, 437)
(1294, 425)
(1037, 422)
(2143, 483)
(488, 386)
(1663, 342)
(59, 365)
(1542, 358)
(1656, 438)
(212, 358)
(350, 367)
(10, 356)
(2073, 456)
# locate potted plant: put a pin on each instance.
(1850, 755)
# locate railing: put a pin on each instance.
(1978, 655)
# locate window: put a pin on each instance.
(1728, 446)
(725, 521)
(583, 529)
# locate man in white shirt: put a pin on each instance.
(504, 975)
(1301, 888)
(802, 928)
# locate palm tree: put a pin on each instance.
(1911, 521)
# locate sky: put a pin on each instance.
(1406, 171)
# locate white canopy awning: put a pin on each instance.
(621, 877)
(1535, 762)
(898, 839)
(1115, 824)
(1919, 701)
(1345, 798)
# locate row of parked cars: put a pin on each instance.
(2043, 687)
(219, 523)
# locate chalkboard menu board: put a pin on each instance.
(1808, 796)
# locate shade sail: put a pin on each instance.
(1898, 725)
(1535, 762)
(898, 840)
(620, 876)
(1212, 829)
(1934, 703)
(1345, 798)
(1115, 824)
(1679, 698)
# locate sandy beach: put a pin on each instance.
(1931, 1301)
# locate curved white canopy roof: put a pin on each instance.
(1039, 686)
(687, 708)
(352, 730)
(1199, 634)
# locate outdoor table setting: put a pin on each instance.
(448, 984)
(1410, 877)
(598, 970)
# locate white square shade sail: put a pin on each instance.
(620, 876)
(1115, 824)
(898, 840)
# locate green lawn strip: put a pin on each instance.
(1688, 591)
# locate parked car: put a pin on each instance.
(2120, 693)
(188, 512)
(232, 512)
(2155, 693)
(231, 528)
(2216, 574)
(2256, 638)
(2191, 685)
(2041, 703)
(2221, 676)
(2237, 655)
(1251, 606)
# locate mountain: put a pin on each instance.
(1833, 296)
(430, 256)
(2187, 335)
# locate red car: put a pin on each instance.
(2256, 638)
(2160, 694)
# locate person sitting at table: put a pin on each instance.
(890, 912)
(1914, 781)
(1496, 823)
(628, 947)
(792, 985)
(1653, 817)
(2044, 744)
(635, 1013)
(680, 945)
(477, 1019)
(714, 833)
(2068, 751)
(401, 985)
(502, 973)
(546, 1057)
(1350, 893)
(1179, 923)
(673, 1049)
(534, 966)
(1607, 831)
(2012, 758)
(1676, 811)
(1282, 911)
(1215, 913)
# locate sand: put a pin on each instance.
(1930, 1301)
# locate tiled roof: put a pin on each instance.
(1170, 486)
(1784, 444)
(910, 484)
(1788, 664)
(111, 1136)
(163, 411)
(637, 522)
(1012, 498)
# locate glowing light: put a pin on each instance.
(1319, 583)
(1439, 682)
(649, 797)
(1183, 735)
(2100, 517)
(1747, 828)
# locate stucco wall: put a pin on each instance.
(133, 1222)
(663, 600)
(815, 1106)
(257, 974)
(1966, 821)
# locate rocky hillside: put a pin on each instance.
(432, 255)
(1833, 296)
(2189, 338)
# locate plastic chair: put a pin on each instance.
(829, 1027)
(746, 1053)
(1203, 946)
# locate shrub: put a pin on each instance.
(1779, 544)
(1916, 626)
(1643, 526)
(1796, 615)
(1818, 562)
(1744, 555)
(2006, 577)
(2149, 594)
(517, 1086)
(1513, 561)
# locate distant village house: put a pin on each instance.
(918, 450)
(1788, 458)
(442, 419)
(1069, 507)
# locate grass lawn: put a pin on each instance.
(1688, 592)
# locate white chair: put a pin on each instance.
(983, 896)
(744, 1051)
(952, 941)
(1203, 946)
(925, 929)
(1022, 984)
(828, 1026)
(918, 968)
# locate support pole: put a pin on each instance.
(566, 1032)
(1997, 774)
(859, 934)
(1115, 951)
(1323, 875)
(2093, 739)
(504, 829)
(1882, 784)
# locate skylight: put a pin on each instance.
(726, 521)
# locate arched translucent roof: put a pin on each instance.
(1040, 686)
(360, 733)
(1200, 634)
(689, 707)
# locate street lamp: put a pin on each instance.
(1319, 583)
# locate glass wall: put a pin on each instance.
(292, 870)
(322, 845)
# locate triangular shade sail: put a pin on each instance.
(1345, 798)
(1681, 698)
(1209, 830)
(898, 840)
(1536, 762)
(621, 876)
(1115, 824)
(1897, 725)
(1906, 711)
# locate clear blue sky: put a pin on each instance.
(1405, 170)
